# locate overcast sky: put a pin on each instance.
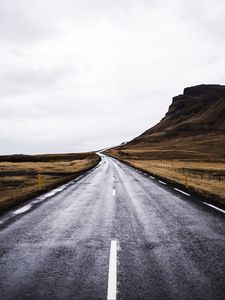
(79, 75)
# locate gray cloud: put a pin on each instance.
(20, 79)
(21, 22)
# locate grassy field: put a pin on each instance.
(19, 174)
(204, 177)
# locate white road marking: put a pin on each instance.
(35, 201)
(215, 207)
(162, 182)
(114, 192)
(152, 177)
(182, 192)
(44, 197)
(59, 189)
(22, 209)
(112, 276)
(50, 194)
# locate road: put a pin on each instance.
(113, 231)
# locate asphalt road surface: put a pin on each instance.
(113, 233)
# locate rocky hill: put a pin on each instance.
(193, 128)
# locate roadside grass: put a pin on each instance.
(19, 180)
(204, 177)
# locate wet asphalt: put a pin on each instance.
(169, 245)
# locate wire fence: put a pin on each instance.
(199, 173)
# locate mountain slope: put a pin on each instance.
(193, 128)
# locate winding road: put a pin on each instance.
(113, 233)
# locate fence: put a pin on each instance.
(200, 173)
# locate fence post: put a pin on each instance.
(186, 182)
(39, 182)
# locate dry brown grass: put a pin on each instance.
(200, 174)
(19, 180)
(170, 152)
(58, 166)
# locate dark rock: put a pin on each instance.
(212, 91)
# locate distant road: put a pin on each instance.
(113, 233)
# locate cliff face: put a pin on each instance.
(195, 122)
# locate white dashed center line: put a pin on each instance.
(112, 277)
(114, 192)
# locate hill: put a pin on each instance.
(193, 128)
